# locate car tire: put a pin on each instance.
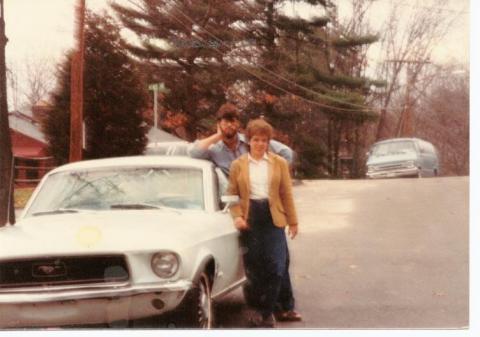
(198, 307)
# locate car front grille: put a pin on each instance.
(389, 167)
(63, 270)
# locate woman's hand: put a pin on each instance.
(240, 223)
(292, 231)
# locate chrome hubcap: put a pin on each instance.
(204, 306)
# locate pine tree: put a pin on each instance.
(302, 75)
(115, 96)
(188, 45)
(316, 59)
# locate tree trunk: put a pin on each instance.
(7, 209)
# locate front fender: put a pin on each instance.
(204, 261)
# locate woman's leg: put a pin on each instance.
(275, 266)
(286, 301)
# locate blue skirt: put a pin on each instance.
(266, 259)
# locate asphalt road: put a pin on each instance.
(374, 254)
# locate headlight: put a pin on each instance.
(165, 264)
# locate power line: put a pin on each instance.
(281, 77)
(361, 107)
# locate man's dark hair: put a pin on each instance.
(228, 111)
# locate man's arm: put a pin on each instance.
(282, 150)
(200, 147)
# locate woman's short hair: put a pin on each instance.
(259, 127)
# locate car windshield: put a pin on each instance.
(390, 148)
(120, 189)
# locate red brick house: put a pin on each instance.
(29, 148)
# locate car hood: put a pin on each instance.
(104, 232)
(392, 158)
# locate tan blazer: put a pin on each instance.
(280, 190)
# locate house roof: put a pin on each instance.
(25, 125)
(159, 136)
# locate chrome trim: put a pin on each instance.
(230, 288)
(58, 288)
(43, 295)
(392, 174)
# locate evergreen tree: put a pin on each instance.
(114, 98)
(252, 53)
(177, 48)
(316, 59)
(56, 124)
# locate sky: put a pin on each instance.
(43, 29)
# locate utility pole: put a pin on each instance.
(7, 210)
(405, 127)
(76, 87)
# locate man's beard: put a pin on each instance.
(230, 135)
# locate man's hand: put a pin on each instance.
(292, 231)
(219, 130)
(240, 223)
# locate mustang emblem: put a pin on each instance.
(49, 269)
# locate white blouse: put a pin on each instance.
(258, 170)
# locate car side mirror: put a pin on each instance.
(229, 200)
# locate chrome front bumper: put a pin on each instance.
(393, 173)
(45, 295)
(92, 305)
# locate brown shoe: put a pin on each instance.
(288, 316)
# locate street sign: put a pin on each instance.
(159, 87)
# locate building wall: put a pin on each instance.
(30, 158)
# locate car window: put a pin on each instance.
(425, 147)
(430, 148)
(389, 148)
(121, 188)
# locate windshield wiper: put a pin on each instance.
(134, 206)
(144, 206)
(56, 211)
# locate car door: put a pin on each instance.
(230, 260)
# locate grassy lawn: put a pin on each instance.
(21, 196)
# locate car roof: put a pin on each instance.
(181, 143)
(135, 161)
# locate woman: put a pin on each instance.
(262, 181)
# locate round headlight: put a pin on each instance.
(165, 264)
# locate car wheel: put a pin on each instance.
(198, 304)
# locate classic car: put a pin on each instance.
(118, 239)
